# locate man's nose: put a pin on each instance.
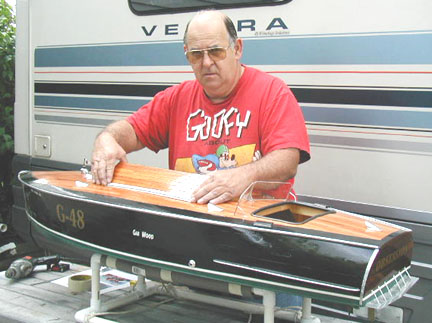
(207, 60)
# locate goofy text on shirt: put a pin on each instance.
(201, 126)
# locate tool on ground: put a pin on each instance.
(23, 267)
(60, 267)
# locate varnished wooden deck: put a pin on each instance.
(178, 183)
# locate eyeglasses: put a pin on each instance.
(215, 53)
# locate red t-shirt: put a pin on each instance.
(260, 115)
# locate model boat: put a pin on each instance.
(145, 216)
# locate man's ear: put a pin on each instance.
(238, 48)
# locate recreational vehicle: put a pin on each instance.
(361, 71)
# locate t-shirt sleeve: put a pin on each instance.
(151, 121)
(283, 124)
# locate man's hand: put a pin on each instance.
(222, 186)
(106, 153)
(112, 145)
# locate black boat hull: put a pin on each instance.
(290, 260)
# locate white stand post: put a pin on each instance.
(307, 312)
(269, 302)
(145, 288)
(95, 302)
(96, 306)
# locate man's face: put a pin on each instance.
(218, 77)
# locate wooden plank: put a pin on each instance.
(36, 299)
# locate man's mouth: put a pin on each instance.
(209, 74)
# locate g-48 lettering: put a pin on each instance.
(73, 216)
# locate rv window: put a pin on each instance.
(153, 7)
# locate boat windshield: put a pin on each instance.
(275, 201)
(260, 194)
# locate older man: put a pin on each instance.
(234, 123)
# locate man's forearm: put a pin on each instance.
(110, 146)
(279, 165)
(124, 134)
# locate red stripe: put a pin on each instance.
(114, 72)
(353, 72)
(271, 72)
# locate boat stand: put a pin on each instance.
(145, 288)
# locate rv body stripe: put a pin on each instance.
(349, 116)
(89, 103)
(348, 49)
(147, 54)
(398, 146)
(101, 88)
(370, 96)
(411, 48)
(268, 71)
(42, 118)
(377, 96)
(395, 146)
(389, 119)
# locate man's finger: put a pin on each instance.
(211, 195)
(110, 171)
(225, 197)
(202, 189)
(101, 172)
(94, 168)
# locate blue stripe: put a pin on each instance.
(421, 120)
(89, 103)
(151, 54)
(371, 49)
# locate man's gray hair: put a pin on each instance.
(229, 25)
